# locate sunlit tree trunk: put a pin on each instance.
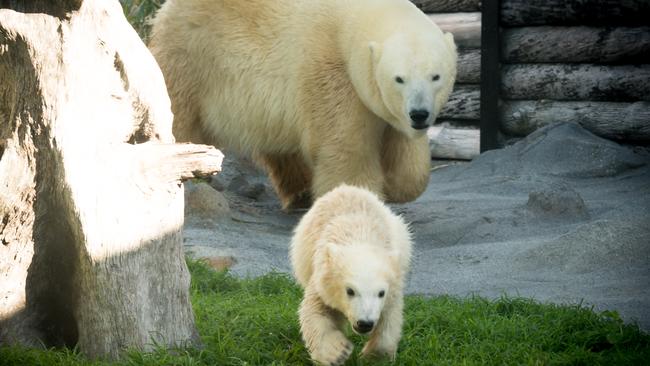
(91, 200)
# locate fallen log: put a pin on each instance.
(615, 121)
(576, 45)
(574, 12)
(576, 82)
(453, 143)
(91, 198)
(466, 27)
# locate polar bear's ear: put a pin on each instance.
(449, 40)
(375, 51)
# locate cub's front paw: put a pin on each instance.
(372, 350)
(333, 351)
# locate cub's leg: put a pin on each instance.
(291, 178)
(406, 164)
(385, 338)
(321, 329)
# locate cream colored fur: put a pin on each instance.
(306, 87)
(350, 239)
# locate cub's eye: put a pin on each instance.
(381, 293)
(399, 80)
(435, 77)
(349, 291)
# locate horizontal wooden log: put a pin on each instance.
(447, 6)
(574, 12)
(466, 27)
(616, 121)
(464, 103)
(453, 143)
(469, 66)
(576, 82)
(459, 123)
(576, 44)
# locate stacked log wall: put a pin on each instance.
(579, 61)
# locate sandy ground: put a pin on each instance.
(562, 216)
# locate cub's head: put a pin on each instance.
(415, 75)
(357, 280)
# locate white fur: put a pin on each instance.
(307, 87)
(350, 240)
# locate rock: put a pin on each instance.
(557, 201)
(203, 201)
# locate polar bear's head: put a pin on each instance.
(414, 75)
(356, 280)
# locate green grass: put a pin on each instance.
(254, 322)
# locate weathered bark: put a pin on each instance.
(576, 44)
(617, 121)
(448, 6)
(469, 66)
(464, 103)
(91, 204)
(453, 143)
(576, 82)
(574, 12)
(466, 27)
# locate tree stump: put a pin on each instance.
(91, 200)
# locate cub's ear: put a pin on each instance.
(333, 251)
(375, 51)
(394, 259)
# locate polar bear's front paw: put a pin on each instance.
(333, 351)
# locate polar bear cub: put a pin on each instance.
(351, 254)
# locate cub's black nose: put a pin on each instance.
(364, 326)
(419, 118)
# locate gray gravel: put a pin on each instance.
(561, 216)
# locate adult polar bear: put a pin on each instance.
(321, 92)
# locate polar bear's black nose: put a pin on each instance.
(364, 326)
(419, 118)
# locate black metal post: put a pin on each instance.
(490, 74)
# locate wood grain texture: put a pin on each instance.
(576, 82)
(580, 44)
(466, 27)
(453, 143)
(574, 12)
(464, 103)
(469, 66)
(447, 6)
(628, 122)
(91, 205)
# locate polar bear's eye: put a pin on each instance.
(399, 80)
(435, 77)
(349, 291)
(381, 293)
